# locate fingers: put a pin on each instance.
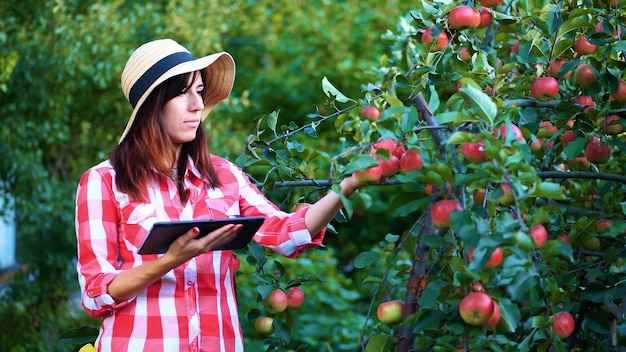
(220, 236)
(187, 246)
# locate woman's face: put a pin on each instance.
(182, 115)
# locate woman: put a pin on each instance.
(161, 170)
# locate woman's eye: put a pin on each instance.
(200, 92)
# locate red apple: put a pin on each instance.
(564, 238)
(276, 301)
(568, 136)
(390, 164)
(619, 94)
(585, 100)
(580, 163)
(583, 47)
(515, 47)
(546, 129)
(486, 17)
(612, 128)
(503, 131)
(464, 54)
(428, 189)
(584, 76)
(563, 324)
(555, 66)
(411, 161)
(371, 113)
(495, 316)
(494, 260)
(372, 174)
(295, 297)
(507, 196)
(490, 3)
(463, 17)
(539, 235)
(264, 325)
(603, 224)
(438, 43)
(391, 145)
(604, 5)
(476, 308)
(597, 152)
(616, 31)
(474, 152)
(440, 213)
(544, 88)
(390, 312)
(478, 287)
(479, 196)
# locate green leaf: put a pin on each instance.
(379, 343)
(540, 321)
(281, 330)
(79, 336)
(393, 101)
(272, 120)
(433, 102)
(548, 190)
(574, 148)
(429, 319)
(460, 137)
(480, 101)
(360, 162)
(331, 91)
(573, 24)
(366, 258)
(510, 314)
(520, 285)
(431, 293)
(558, 249)
(406, 204)
(597, 322)
(447, 117)
(434, 241)
(561, 46)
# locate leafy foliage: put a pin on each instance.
(306, 137)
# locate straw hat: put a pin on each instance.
(156, 61)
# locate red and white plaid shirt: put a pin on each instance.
(193, 307)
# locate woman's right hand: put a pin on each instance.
(187, 246)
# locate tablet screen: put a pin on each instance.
(164, 233)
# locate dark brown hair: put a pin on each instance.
(139, 157)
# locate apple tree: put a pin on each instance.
(513, 113)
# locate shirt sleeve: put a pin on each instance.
(285, 233)
(96, 222)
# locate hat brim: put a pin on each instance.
(220, 77)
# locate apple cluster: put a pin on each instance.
(392, 157)
(479, 309)
(278, 301)
(460, 18)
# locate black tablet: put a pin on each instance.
(163, 234)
